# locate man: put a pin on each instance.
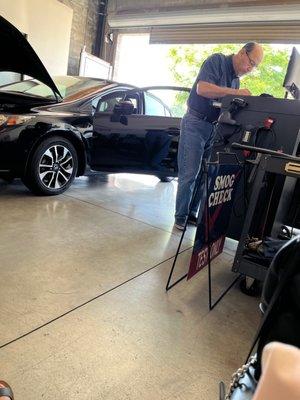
(218, 76)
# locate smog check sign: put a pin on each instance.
(211, 230)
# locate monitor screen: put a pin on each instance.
(292, 77)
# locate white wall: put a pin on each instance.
(48, 26)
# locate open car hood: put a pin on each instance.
(18, 56)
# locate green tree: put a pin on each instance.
(185, 61)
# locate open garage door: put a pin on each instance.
(188, 22)
(264, 32)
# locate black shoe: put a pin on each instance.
(179, 225)
(192, 220)
(165, 178)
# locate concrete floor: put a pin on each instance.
(84, 311)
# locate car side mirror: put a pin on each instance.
(123, 107)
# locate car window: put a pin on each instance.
(167, 112)
(173, 102)
(106, 103)
(94, 103)
(134, 100)
(153, 106)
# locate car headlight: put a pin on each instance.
(13, 120)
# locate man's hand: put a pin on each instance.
(244, 92)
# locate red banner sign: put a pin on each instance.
(211, 229)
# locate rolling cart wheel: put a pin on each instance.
(250, 287)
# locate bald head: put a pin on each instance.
(248, 57)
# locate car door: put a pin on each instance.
(115, 145)
(145, 141)
(163, 109)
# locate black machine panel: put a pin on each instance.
(283, 133)
(267, 122)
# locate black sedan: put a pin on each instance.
(51, 129)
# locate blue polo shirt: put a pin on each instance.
(217, 69)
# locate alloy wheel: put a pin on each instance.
(56, 166)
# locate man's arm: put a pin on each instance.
(212, 91)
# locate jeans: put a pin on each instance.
(195, 144)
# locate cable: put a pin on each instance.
(87, 302)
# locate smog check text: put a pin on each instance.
(223, 188)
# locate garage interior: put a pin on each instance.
(84, 310)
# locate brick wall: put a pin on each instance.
(84, 30)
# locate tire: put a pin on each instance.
(253, 289)
(52, 167)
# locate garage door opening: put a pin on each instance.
(143, 64)
(140, 63)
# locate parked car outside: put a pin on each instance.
(52, 129)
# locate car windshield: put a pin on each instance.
(69, 87)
